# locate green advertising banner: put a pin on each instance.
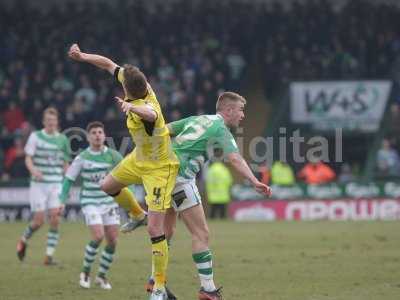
(352, 190)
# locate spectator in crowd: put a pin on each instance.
(187, 70)
(316, 172)
(299, 49)
(306, 42)
(218, 186)
(264, 174)
(14, 162)
(86, 93)
(346, 174)
(13, 118)
(3, 175)
(282, 174)
(237, 65)
(388, 161)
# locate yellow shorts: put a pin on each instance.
(158, 180)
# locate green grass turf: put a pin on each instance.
(253, 261)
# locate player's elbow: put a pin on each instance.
(151, 116)
(28, 161)
(170, 130)
(234, 159)
(110, 66)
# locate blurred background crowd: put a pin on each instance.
(190, 51)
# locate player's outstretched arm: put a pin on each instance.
(240, 165)
(99, 61)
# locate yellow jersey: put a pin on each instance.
(152, 140)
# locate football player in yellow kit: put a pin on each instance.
(151, 163)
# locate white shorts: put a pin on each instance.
(101, 215)
(43, 196)
(185, 194)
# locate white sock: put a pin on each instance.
(50, 251)
(208, 284)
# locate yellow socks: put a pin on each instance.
(127, 201)
(159, 249)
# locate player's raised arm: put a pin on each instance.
(240, 165)
(99, 61)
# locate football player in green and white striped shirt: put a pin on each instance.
(195, 139)
(100, 210)
(47, 156)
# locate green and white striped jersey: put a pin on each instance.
(195, 137)
(93, 167)
(49, 153)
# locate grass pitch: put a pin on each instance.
(253, 261)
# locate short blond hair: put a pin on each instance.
(228, 97)
(50, 111)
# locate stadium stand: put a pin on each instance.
(190, 52)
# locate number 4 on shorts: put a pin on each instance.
(157, 192)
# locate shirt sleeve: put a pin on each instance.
(178, 126)
(74, 169)
(119, 74)
(226, 141)
(66, 186)
(117, 157)
(30, 146)
(67, 150)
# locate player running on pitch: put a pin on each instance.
(100, 210)
(47, 156)
(195, 139)
(152, 162)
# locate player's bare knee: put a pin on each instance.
(112, 241)
(98, 237)
(54, 219)
(155, 231)
(55, 216)
(110, 186)
(38, 220)
(54, 223)
(152, 231)
(169, 231)
(37, 223)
